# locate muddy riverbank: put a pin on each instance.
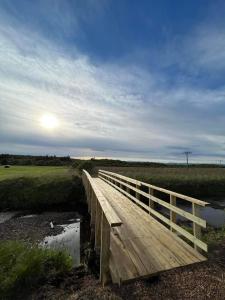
(34, 228)
(197, 282)
(201, 281)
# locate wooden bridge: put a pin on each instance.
(136, 230)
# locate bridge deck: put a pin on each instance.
(142, 246)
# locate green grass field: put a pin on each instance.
(32, 171)
(197, 182)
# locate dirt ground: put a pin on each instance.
(200, 281)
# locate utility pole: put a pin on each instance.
(187, 153)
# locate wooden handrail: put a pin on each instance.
(107, 209)
(141, 183)
(103, 219)
(112, 179)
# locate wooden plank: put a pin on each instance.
(151, 202)
(151, 225)
(143, 245)
(175, 209)
(137, 193)
(105, 251)
(173, 215)
(110, 214)
(196, 227)
(177, 228)
(178, 195)
(98, 227)
(93, 207)
(134, 181)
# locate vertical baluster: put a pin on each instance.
(137, 194)
(127, 188)
(196, 227)
(173, 215)
(151, 202)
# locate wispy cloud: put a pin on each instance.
(106, 108)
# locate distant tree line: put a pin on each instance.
(26, 160)
(48, 160)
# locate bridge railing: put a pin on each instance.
(133, 189)
(103, 219)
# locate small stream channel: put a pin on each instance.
(68, 240)
(214, 213)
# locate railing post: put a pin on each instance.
(105, 251)
(137, 194)
(98, 227)
(196, 227)
(173, 215)
(151, 203)
(127, 188)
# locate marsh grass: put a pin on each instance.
(23, 267)
(214, 236)
(39, 188)
(196, 182)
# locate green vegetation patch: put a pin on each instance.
(214, 236)
(23, 267)
(31, 171)
(40, 188)
(196, 182)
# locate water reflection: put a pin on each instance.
(214, 216)
(68, 240)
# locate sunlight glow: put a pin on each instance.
(49, 121)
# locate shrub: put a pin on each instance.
(86, 165)
(23, 267)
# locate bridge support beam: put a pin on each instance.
(105, 251)
(98, 227)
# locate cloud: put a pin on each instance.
(104, 108)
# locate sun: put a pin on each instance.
(49, 121)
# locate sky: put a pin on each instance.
(128, 79)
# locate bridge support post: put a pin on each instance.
(173, 215)
(88, 196)
(105, 251)
(93, 201)
(196, 227)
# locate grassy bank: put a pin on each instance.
(214, 236)
(23, 267)
(35, 187)
(196, 182)
(31, 171)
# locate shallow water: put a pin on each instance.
(214, 216)
(68, 240)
